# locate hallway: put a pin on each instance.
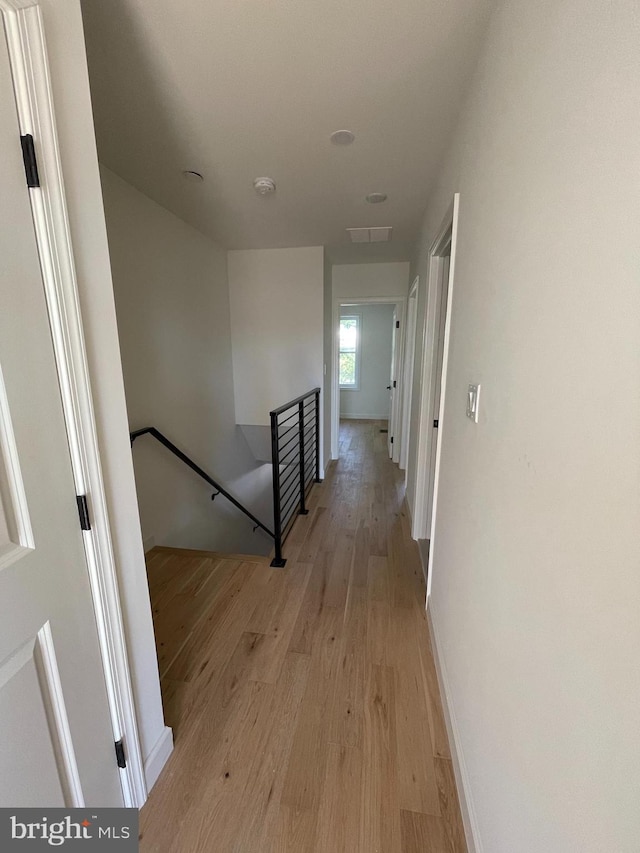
(304, 701)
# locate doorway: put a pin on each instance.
(367, 360)
(437, 324)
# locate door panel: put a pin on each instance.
(443, 291)
(53, 703)
(392, 390)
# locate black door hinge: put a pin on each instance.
(435, 423)
(397, 324)
(83, 512)
(394, 383)
(391, 439)
(30, 162)
(122, 761)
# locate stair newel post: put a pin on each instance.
(278, 560)
(303, 509)
(318, 477)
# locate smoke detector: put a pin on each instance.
(342, 137)
(376, 198)
(264, 186)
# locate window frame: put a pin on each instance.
(356, 315)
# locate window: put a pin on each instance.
(350, 351)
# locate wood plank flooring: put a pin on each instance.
(304, 701)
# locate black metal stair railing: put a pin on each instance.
(220, 490)
(295, 455)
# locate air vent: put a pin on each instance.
(358, 235)
(379, 235)
(370, 235)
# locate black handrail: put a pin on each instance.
(184, 458)
(300, 438)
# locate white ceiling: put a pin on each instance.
(238, 89)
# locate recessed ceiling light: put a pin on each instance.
(264, 186)
(195, 177)
(342, 137)
(376, 198)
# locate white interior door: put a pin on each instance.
(56, 747)
(391, 386)
(407, 379)
(443, 290)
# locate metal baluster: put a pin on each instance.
(303, 510)
(278, 561)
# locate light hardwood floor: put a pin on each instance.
(304, 700)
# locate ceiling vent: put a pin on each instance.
(370, 235)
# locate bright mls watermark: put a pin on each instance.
(69, 829)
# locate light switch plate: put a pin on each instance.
(473, 402)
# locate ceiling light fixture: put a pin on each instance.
(264, 186)
(194, 177)
(342, 137)
(376, 198)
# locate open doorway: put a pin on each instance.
(434, 370)
(368, 349)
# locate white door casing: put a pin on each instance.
(27, 52)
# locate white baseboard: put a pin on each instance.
(423, 550)
(469, 819)
(344, 417)
(158, 757)
(149, 543)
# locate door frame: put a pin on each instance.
(28, 57)
(423, 528)
(407, 373)
(396, 414)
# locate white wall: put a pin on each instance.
(371, 400)
(276, 326)
(172, 299)
(361, 280)
(69, 79)
(536, 587)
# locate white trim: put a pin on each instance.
(149, 543)
(27, 51)
(463, 785)
(158, 757)
(407, 378)
(443, 387)
(383, 417)
(395, 415)
(45, 655)
(19, 522)
(420, 528)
